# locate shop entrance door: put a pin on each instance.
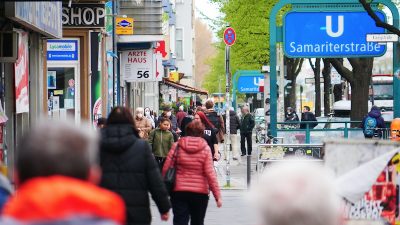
(63, 95)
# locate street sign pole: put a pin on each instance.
(227, 116)
(229, 39)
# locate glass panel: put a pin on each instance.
(61, 92)
(179, 34)
(179, 50)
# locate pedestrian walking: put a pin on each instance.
(246, 129)
(373, 123)
(167, 113)
(234, 125)
(180, 115)
(291, 115)
(143, 125)
(297, 193)
(195, 176)
(188, 118)
(210, 134)
(101, 122)
(148, 113)
(130, 170)
(57, 172)
(161, 140)
(307, 115)
(216, 120)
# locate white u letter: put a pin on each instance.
(256, 81)
(329, 26)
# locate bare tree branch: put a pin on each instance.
(299, 67)
(378, 21)
(311, 64)
(343, 71)
(354, 62)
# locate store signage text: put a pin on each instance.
(43, 17)
(84, 15)
(65, 50)
(138, 65)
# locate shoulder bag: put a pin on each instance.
(170, 175)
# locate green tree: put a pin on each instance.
(250, 19)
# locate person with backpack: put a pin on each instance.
(372, 123)
(216, 120)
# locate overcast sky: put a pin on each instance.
(208, 9)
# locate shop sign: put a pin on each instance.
(65, 50)
(43, 17)
(124, 26)
(137, 65)
(84, 15)
(22, 74)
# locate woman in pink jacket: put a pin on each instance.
(195, 176)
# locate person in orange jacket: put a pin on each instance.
(57, 173)
(395, 129)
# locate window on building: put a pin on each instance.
(179, 43)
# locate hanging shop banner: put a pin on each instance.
(84, 15)
(22, 74)
(95, 48)
(137, 66)
(62, 50)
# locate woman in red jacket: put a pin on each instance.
(195, 176)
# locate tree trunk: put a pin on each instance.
(317, 72)
(292, 95)
(326, 73)
(360, 88)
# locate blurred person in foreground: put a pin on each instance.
(101, 122)
(195, 176)
(56, 174)
(298, 193)
(130, 169)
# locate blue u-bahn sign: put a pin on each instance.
(249, 84)
(331, 34)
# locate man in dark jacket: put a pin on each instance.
(372, 123)
(234, 125)
(130, 169)
(246, 129)
(308, 116)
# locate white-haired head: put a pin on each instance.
(297, 193)
(139, 110)
(181, 108)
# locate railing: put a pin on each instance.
(349, 129)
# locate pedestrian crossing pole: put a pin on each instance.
(229, 39)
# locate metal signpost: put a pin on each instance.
(229, 39)
(328, 29)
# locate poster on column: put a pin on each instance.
(21, 69)
(138, 66)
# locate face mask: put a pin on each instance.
(147, 113)
(169, 114)
(139, 115)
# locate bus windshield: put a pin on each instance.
(383, 91)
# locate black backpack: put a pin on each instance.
(214, 119)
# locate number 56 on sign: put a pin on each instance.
(137, 66)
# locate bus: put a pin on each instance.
(382, 91)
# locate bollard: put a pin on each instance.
(248, 170)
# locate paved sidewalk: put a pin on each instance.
(236, 210)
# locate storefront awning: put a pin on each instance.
(184, 87)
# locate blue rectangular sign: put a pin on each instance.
(331, 34)
(249, 84)
(62, 50)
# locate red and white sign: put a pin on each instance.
(159, 67)
(229, 36)
(22, 74)
(138, 65)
